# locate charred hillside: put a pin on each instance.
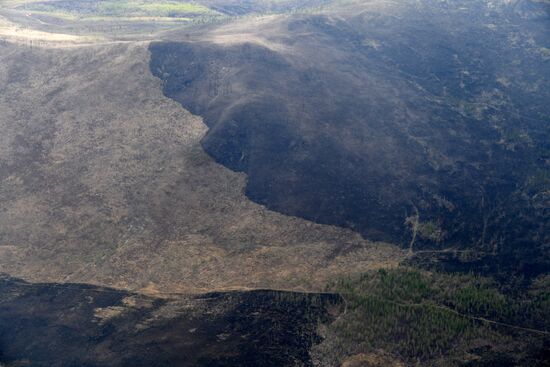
(83, 325)
(427, 129)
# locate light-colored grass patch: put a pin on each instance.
(125, 9)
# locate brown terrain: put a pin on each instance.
(104, 181)
(274, 183)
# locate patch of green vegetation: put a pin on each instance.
(157, 9)
(423, 317)
(430, 230)
(123, 8)
(475, 300)
(141, 19)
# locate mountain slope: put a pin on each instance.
(103, 180)
(416, 123)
